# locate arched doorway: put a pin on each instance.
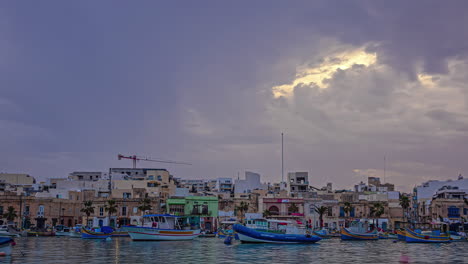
(101, 223)
(274, 210)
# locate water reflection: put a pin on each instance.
(213, 250)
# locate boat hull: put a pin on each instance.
(156, 234)
(401, 235)
(248, 235)
(349, 235)
(87, 234)
(68, 234)
(413, 237)
(6, 245)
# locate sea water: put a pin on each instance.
(213, 250)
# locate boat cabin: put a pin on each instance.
(167, 221)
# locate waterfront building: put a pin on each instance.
(423, 194)
(449, 205)
(139, 173)
(224, 185)
(250, 183)
(201, 208)
(282, 208)
(85, 175)
(17, 179)
(298, 183)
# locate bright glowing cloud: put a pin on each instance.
(318, 74)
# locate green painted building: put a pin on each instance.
(202, 210)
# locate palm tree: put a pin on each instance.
(242, 208)
(405, 204)
(293, 208)
(377, 210)
(145, 205)
(321, 211)
(266, 213)
(88, 209)
(110, 208)
(10, 214)
(347, 208)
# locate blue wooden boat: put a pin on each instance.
(89, 234)
(349, 234)
(387, 236)
(249, 235)
(322, 234)
(401, 234)
(6, 244)
(415, 237)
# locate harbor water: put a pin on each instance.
(213, 250)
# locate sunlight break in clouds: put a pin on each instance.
(318, 75)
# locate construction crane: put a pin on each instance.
(136, 158)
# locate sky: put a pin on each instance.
(215, 83)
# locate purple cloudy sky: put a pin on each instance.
(198, 81)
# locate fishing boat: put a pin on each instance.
(226, 229)
(384, 235)
(429, 237)
(6, 244)
(250, 235)
(5, 231)
(350, 234)
(40, 233)
(99, 233)
(458, 237)
(322, 233)
(67, 231)
(358, 231)
(163, 227)
(401, 235)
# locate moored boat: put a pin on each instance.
(6, 244)
(67, 231)
(41, 233)
(387, 236)
(90, 234)
(401, 235)
(323, 233)
(415, 237)
(163, 227)
(5, 231)
(249, 235)
(349, 234)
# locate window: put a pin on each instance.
(26, 210)
(1, 210)
(330, 211)
(465, 211)
(101, 211)
(453, 212)
(135, 210)
(151, 177)
(159, 178)
(124, 210)
(127, 195)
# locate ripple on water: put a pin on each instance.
(53, 250)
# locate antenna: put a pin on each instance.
(282, 159)
(384, 168)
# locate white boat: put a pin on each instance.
(163, 227)
(67, 231)
(5, 232)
